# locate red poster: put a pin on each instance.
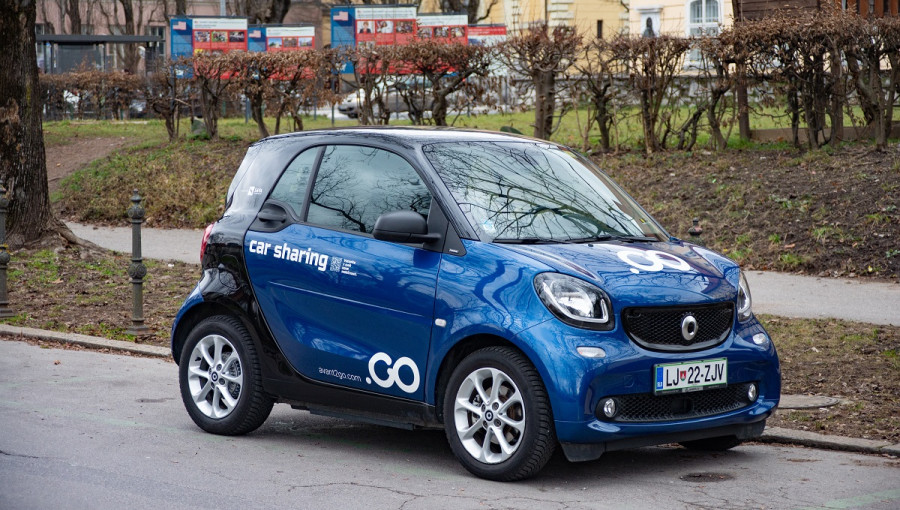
(219, 35)
(404, 30)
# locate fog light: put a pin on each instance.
(761, 339)
(752, 393)
(591, 352)
(609, 408)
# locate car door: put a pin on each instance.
(344, 307)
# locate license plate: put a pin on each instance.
(690, 376)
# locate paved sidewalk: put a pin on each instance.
(782, 294)
(156, 243)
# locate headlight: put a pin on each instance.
(744, 310)
(575, 302)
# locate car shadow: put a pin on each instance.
(429, 452)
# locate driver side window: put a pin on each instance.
(355, 185)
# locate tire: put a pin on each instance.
(511, 406)
(220, 378)
(712, 444)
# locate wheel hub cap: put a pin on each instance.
(489, 415)
(215, 376)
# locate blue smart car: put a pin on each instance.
(496, 286)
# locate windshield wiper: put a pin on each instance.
(532, 240)
(617, 237)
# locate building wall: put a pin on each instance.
(672, 15)
(581, 14)
(99, 16)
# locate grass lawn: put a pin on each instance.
(152, 131)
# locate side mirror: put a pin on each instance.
(403, 227)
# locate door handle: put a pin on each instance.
(270, 215)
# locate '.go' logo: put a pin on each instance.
(652, 261)
(393, 372)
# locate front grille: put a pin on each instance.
(678, 406)
(660, 328)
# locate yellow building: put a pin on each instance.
(679, 17)
(590, 17)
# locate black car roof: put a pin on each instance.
(406, 135)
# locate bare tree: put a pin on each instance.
(802, 55)
(166, 94)
(652, 63)
(598, 70)
(372, 72)
(304, 79)
(260, 11)
(873, 59)
(472, 8)
(448, 68)
(543, 55)
(134, 16)
(211, 78)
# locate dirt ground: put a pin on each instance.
(62, 160)
(820, 213)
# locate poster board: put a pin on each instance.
(219, 35)
(190, 36)
(486, 35)
(378, 26)
(290, 38)
(443, 27)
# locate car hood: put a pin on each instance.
(636, 274)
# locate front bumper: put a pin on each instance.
(577, 385)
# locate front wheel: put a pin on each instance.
(220, 378)
(497, 415)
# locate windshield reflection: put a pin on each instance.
(530, 192)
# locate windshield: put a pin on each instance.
(526, 191)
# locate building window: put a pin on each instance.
(703, 17)
(599, 29)
(703, 20)
(155, 51)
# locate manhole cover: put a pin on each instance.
(706, 477)
(806, 402)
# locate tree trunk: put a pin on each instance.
(838, 97)
(73, 11)
(131, 55)
(279, 10)
(743, 103)
(603, 116)
(22, 159)
(256, 111)
(544, 104)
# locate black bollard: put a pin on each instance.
(5, 311)
(137, 271)
(696, 232)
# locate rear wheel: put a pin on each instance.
(497, 415)
(712, 444)
(220, 378)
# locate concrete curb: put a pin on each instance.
(847, 444)
(86, 341)
(776, 435)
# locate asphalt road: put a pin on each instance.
(82, 429)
